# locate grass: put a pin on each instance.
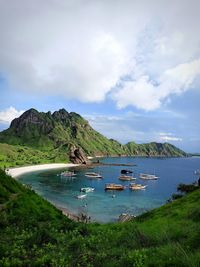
(12, 156)
(34, 233)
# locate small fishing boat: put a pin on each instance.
(87, 189)
(81, 196)
(146, 176)
(93, 175)
(134, 186)
(68, 174)
(197, 172)
(113, 186)
(126, 178)
(126, 171)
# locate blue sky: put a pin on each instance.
(131, 68)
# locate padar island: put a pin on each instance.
(38, 137)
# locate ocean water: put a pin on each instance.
(100, 205)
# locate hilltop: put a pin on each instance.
(35, 233)
(62, 133)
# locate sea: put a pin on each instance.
(106, 206)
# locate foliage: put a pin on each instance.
(35, 233)
(11, 156)
(187, 188)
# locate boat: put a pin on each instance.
(67, 174)
(126, 171)
(87, 189)
(93, 175)
(134, 186)
(113, 186)
(81, 196)
(197, 172)
(146, 176)
(126, 178)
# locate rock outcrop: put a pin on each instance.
(77, 156)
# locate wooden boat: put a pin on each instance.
(126, 171)
(126, 178)
(146, 176)
(93, 175)
(81, 196)
(134, 186)
(114, 187)
(87, 189)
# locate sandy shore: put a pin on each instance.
(15, 172)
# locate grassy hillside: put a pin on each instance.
(154, 149)
(34, 233)
(12, 156)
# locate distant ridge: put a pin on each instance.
(63, 131)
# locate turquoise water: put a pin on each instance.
(100, 205)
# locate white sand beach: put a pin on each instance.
(15, 172)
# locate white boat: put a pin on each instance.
(134, 186)
(93, 175)
(146, 176)
(197, 172)
(67, 174)
(126, 178)
(81, 196)
(87, 189)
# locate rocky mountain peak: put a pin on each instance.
(29, 116)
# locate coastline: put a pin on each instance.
(15, 172)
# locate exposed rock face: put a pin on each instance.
(77, 156)
(31, 117)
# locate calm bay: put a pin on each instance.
(100, 205)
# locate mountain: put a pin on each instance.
(67, 133)
(34, 233)
(154, 149)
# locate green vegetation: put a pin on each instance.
(34, 233)
(49, 137)
(13, 156)
(154, 149)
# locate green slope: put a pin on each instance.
(34, 233)
(12, 156)
(154, 149)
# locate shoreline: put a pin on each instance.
(15, 172)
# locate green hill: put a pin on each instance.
(154, 149)
(16, 155)
(56, 133)
(34, 233)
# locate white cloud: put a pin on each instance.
(167, 137)
(7, 115)
(148, 95)
(170, 138)
(81, 50)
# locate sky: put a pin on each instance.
(130, 67)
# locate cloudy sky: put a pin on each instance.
(131, 67)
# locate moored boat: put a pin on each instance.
(81, 196)
(93, 175)
(146, 176)
(134, 186)
(87, 189)
(113, 186)
(126, 171)
(126, 178)
(67, 173)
